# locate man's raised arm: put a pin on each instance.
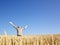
(13, 25)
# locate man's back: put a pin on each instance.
(19, 31)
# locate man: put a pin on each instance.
(19, 31)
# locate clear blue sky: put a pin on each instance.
(41, 16)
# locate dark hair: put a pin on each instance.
(18, 27)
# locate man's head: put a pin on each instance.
(18, 26)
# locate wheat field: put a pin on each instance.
(30, 40)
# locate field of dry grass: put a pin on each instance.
(30, 40)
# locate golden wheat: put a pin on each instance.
(30, 40)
